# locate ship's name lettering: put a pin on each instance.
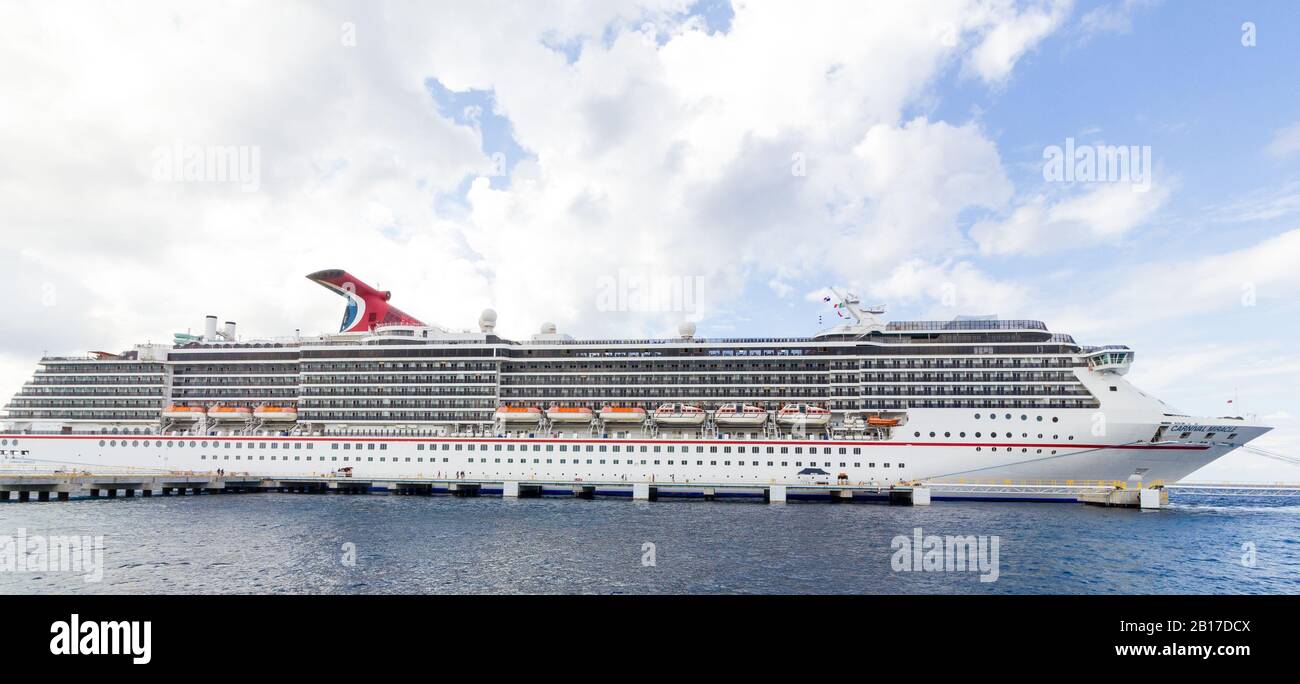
(1187, 427)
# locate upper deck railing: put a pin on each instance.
(965, 325)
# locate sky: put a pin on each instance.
(557, 160)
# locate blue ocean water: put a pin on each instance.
(294, 543)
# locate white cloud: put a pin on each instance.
(1112, 17)
(1103, 212)
(1012, 36)
(1285, 142)
(950, 289)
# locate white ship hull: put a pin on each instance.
(1067, 450)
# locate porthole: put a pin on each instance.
(101, 442)
(1039, 419)
(1055, 419)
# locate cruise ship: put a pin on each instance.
(869, 401)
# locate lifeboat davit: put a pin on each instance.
(230, 413)
(679, 414)
(620, 414)
(803, 415)
(735, 415)
(519, 414)
(183, 412)
(569, 414)
(276, 413)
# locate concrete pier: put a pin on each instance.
(68, 486)
(1127, 498)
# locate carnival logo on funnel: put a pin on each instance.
(367, 307)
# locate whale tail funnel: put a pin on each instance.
(367, 307)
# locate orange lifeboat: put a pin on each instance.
(227, 414)
(276, 413)
(877, 421)
(175, 412)
(803, 415)
(518, 414)
(621, 414)
(569, 414)
(735, 415)
(679, 414)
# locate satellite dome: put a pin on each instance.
(487, 321)
(686, 330)
(548, 328)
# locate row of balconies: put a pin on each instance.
(396, 417)
(968, 362)
(400, 403)
(483, 391)
(100, 368)
(963, 391)
(652, 367)
(243, 381)
(397, 379)
(29, 391)
(662, 395)
(395, 366)
(963, 376)
(53, 381)
(664, 381)
(98, 415)
(234, 393)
